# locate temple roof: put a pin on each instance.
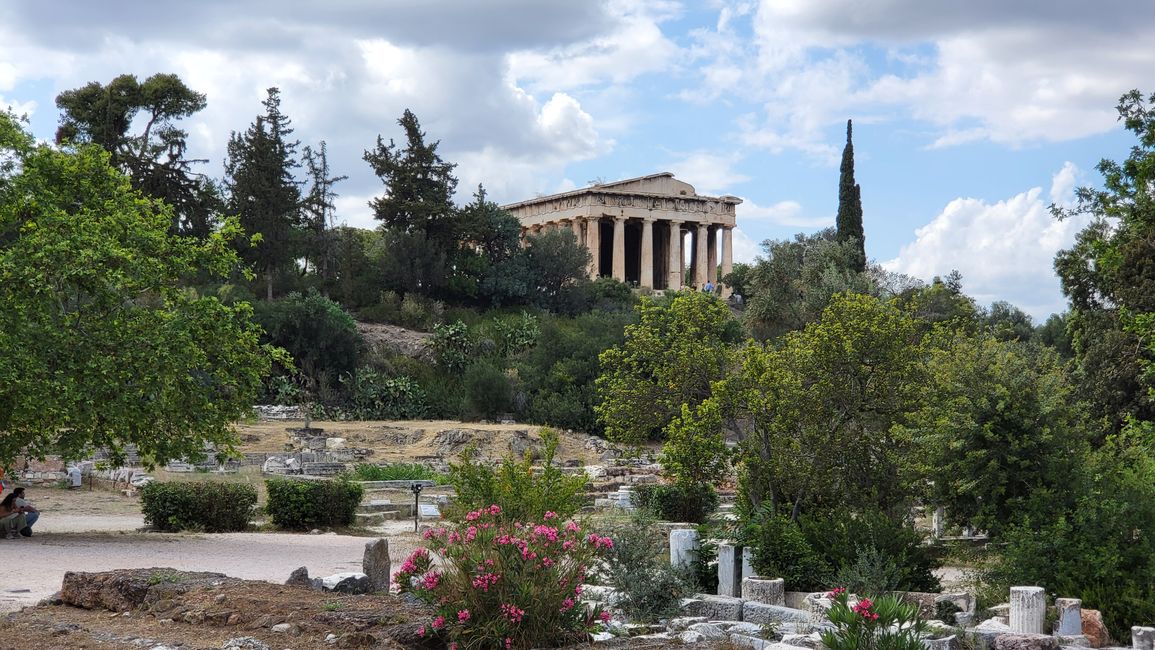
(660, 184)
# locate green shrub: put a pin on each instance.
(397, 472)
(683, 502)
(871, 572)
(207, 506)
(488, 391)
(320, 335)
(303, 505)
(638, 568)
(451, 345)
(782, 551)
(521, 491)
(840, 535)
(372, 396)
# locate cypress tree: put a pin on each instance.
(849, 220)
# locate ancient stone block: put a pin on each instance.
(762, 613)
(1025, 641)
(771, 591)
(1070, 620)
(376, 565)
(715, 608)
(729, 570)
(1142, 638)
(683, 546)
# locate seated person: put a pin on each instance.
(31, 514)
(12, 520)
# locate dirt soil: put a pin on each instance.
(162, 607)
(423, 440)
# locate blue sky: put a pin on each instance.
(970, 118)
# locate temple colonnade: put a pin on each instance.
(654, 231)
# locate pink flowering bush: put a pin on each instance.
(885, 623)
(502, 584)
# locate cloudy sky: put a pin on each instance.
(970, 117)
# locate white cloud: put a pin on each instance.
(1004, 250)
(19, 109)
(635, 46)
(1013, 73)
(744, 249)
(709, 173)
(782, 213)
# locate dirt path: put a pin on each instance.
(32, 568)
(99, 530)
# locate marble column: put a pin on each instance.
(593, 243)
(1028, 610)
(646, 272)
(619, 270)
(701, 258)
(576, 226)
(1142, 638)
(712, 254)
(727, 255)
(674, 280)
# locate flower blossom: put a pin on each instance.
(462, 615)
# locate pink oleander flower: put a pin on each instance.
(471, 533)
(439, 622)
(430, 580)
(508, 643)
(462, 615)
(572, 527)
(473, 516)
(495, 509)
(566, 605)
(835, 593)
(577, 591)
(605, 616)
(421, 631)
(550, 514)
(567, 545)
(512, 612)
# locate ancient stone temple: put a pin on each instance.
(654, 231)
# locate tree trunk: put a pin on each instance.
(269, 286)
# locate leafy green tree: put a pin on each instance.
(1109, 274)
(154, 158)
(558, 372)
(1053, 333)
(817, 414)
(1009, 323)
(263, 191)
(999, 424)
(321, 336)
(668, 359)
(941, 303)
(99, 343)
(556, 266)
(796, 280)
(849, 219)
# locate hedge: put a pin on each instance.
(303, 505)
(207, 506)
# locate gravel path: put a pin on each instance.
(32, 568)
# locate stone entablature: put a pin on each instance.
(624, 223)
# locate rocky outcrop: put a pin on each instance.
(127, 589)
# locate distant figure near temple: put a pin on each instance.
(625, 222)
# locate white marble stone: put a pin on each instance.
(1028, 610)
(683, 546)
(729, 570)
(1070, 621)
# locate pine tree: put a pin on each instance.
(317, 210)
(849, 220)
(263, 192)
